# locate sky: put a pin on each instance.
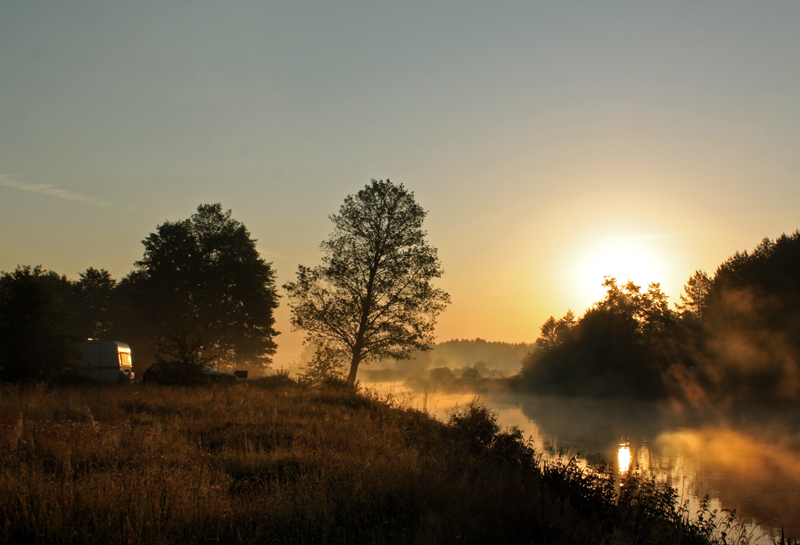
(552, 143)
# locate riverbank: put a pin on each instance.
(270, 462)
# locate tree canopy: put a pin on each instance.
(204, 277)
(694, 300)
(373, 295)
(35, 313)
(93, 300)
(614, 349)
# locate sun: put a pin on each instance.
(622, 261)
(624, 258)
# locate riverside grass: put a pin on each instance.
(269, 461)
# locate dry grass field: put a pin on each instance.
(268, 461)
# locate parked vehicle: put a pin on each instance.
(107, 361)
(176, 374)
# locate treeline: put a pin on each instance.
(201, 290)
(456, 357)
(486, 356)
(734, 337)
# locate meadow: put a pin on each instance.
(272, 461)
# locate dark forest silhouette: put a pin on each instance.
(200, 284)
(734, 337)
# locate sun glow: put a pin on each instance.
(624, 458)
(624, 258)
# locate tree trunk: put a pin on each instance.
(351, 378)
(362, 327)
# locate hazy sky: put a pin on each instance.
(551, 143)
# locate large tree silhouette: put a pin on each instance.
(93, 300)
(203, 276)
(34, 316)
(372, 296)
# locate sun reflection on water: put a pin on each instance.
(624, 457)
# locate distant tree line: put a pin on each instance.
(734, 337)
(200, 287)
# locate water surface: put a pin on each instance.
(747, 460)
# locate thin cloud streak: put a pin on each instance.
(273, 254)
(50, 191)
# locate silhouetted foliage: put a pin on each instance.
(373, 296)
(554, 332)
(93, 302)
(475, 427)
(182, 359)
(203, 275)
(614, 349)
(696, 295)
(773, 266)
(751, 339)
(470, 373)
(734, 338)
(441, 375)
(34, 319)
(200, 278)
(326, 366)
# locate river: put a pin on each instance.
(747, 460)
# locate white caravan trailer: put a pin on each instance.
(107, 361)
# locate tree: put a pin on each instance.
(644, 316)
(205, 277)
(34, 316)
(326, 365)
(471, 373)
(619, 347)
(695, 299)
(372, 297)
(182, 360)
(772, 267)
(656, 318)
(441, 376)
(624, 302)
(93, 295)
(553, 332)
(751, 324)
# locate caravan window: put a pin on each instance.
(124, 359)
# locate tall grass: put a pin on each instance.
(270, 462)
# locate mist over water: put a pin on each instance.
(747, 460)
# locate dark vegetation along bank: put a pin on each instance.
(271, 461)
(734, 337)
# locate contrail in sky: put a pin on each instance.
(50, 191)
